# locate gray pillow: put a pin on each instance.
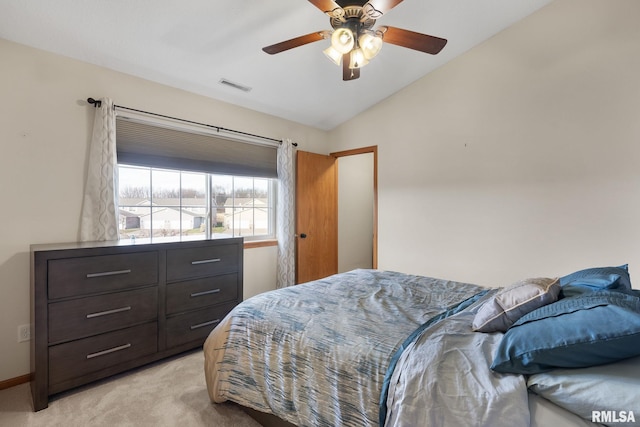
(513, 302)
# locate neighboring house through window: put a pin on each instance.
(162, 203)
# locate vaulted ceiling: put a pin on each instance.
(194, 44)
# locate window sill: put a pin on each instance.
(260, 243)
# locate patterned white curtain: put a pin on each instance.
(285, 220)
(99, 218)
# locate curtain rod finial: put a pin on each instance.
(94, 102)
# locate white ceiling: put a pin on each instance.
(193, 44)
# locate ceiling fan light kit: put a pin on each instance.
(353, 41)
(370, 43)
(333, 55)
(342, 40)
(357, 59)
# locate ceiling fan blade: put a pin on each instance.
(374, 9)
(349, 73)
(413, 40)
(329, 7)
(295, 42)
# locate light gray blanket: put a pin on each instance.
(442, 378)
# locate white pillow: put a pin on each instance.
(511, 303)
(612, 387)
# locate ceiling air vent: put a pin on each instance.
(235, 85)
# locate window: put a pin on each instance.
(180, 180)
(160, 204)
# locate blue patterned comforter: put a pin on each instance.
(317, 354)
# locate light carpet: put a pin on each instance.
(167, 393)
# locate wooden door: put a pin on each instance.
(316, 216)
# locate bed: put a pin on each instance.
(380, 348)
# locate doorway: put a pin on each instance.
(318, 226)
(356, 209)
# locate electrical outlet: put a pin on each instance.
(24, 333)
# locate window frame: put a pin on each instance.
(271, 207)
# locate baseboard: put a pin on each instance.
(11, 382)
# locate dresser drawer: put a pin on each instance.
(83, 317)
(77, 358)
(196, 325)
(199, 293)
(95, 274)
(190, 263)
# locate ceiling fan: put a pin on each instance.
(353, 40)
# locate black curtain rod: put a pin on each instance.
(98, 103)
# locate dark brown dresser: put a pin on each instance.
(101, 308)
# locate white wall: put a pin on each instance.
(520, 158)
(259, 274)
(355, 212)
(45, 125)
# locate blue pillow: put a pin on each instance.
(590, 329)
(593, 279)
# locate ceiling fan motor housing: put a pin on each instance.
(352, 17)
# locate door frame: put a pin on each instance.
(364, 150)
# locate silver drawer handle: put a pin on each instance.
(205, 261)
(107, 273)
(104, 313)
(202, 325)
(111, 350)
(199, 294)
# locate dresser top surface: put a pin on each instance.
(133, 244)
